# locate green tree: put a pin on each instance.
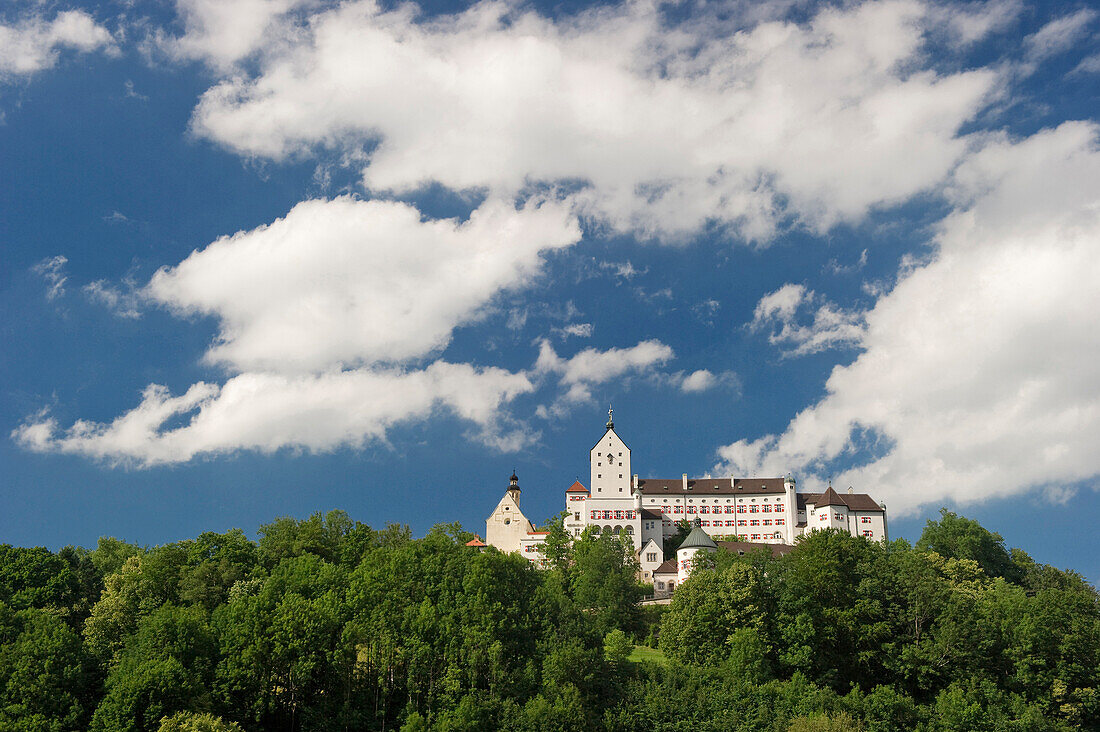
(706, 612)
(46, 679)
(604, 581)
(166, 666)
(957, 537)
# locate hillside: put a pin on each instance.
(329, 624)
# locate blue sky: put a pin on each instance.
(273, 257)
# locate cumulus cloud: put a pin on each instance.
(830, 326)
(34, 43)
(977, 378)
(325, 316)
(592, 366)
(345, 282)
(224, 33)
(655, 129)
(268, 412)
(696, 381)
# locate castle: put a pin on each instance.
(755, 511)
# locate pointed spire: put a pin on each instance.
(610, 420)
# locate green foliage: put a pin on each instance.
(192, 722)
(326, 623)
(617, 648)
(957, 537)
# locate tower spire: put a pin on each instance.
(610, 421)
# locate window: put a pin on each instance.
(577, 516)
(868, 532)
(756, 537)
(731, 522)
(677, 509)
(778, 507)
(595, 514)
(780, 522)
(767, 522)
(607, 514)
(822, 517)
(754, 522)
(754, 509)
(767, 508)
(740, 509)
(704, 509)
(838, 516)
(660, 585)
(651, 556)
(618, 514)
(742, 522)
(865, 519)
(704, 523)
(620, 475)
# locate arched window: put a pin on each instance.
(630, 530)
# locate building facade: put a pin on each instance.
(765, 511)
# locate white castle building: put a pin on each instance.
(755, 510)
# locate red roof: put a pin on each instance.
(576, 488)
(476, 541)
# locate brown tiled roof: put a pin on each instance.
(652, 515)
(668, 567)
(829, 498)
(854, 501)
(709, 486)
(576, 488)
(741, 547)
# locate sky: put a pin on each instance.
(273, 257)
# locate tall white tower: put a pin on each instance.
(609, 459)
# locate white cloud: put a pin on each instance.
(697, 381)
(224, 33)
(345, 282)
(625, 270)
(125, 303)
(593, 366)
(52, 269)
(978, 376)
(831, 326)
(1059, 35)
(580, 330)
(33, 43)
(320, 314)
(269, 412)
(1088, 65)
(974, 21)
(668, 129)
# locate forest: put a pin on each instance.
(329, 624)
